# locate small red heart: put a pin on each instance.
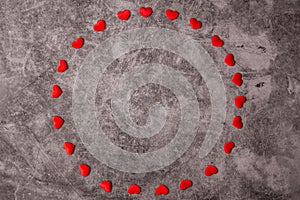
(62, 66)
(124, 15)
(106, 186)
(195, 24)
(185, 184)
(162, 189)
(237, 79)
(134, 189)
(237, 122)
(100, 25)
(146, 12)
(216, 41)
(84, 169)
(56, 91)
(239, 101)
(78, 43)
(229, 59)
(210, 170)
(57, 122)
(228, 146)
(172, 14)
(69, 147)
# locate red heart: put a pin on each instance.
(162, 189)
(145, 12)
(57, 122)
(84, 169)
(239, 101)
(56, 91)
(78, 43)
(195, 24)
(237, 79)
(172, 14)
(106, 186)
(69, 147)
(216, 41)
(185, 184)
(229, 59)
(237, 122)
(134, 189)
(210, 170)
(62, 66)
(228, 146)
(100, 25)
(124, 15)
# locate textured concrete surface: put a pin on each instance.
(262, 34)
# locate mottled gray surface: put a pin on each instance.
(262, 34)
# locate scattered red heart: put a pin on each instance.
(62, 66)
(100, 25)
(228, 146)
(84, 169)
(172, 14)
(56, 91)
(134, 189)
(210, 170)
(78, 43)
(217, 42)
(106, 186)
(239, 101)
(237, 79)
(124, 15)
(229, 59)
(69, 147)
(57, 122)
(237, 122)
(145, 12)
(195, 24)
(185, 184)
(162, 189)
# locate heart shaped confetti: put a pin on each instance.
(210, 170)
(69, 147)
(145, 12)
(100, 25)
(217, 42)
(84, 169)
(106, 186)
(172, 14)
(78, 43)
(228, 146)
(195, 24)
(239, 101)
(185, 184)
(162, 189)
(237, 122)
(229, 59)
(134, 189)
(237, 79)
(62, 66)
(57, 122)
(124, 15)
(56, 91)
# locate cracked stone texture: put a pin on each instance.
(262, 34)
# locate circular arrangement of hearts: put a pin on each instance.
(239, 101)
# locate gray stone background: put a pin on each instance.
(262, 34)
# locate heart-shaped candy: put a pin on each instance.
(228, 146)
(239, 101)
(100, 25)
(78, 43)
(145, 12)
(210, 170)
(217, 42)
(237, 122)
(172, 14)
(237, 79)
(134, 189)
(57, 122)
(69, 147)
(63, 66)
(185, 184)
(84, 169)
(162, 189)
(56, 91)
(229, 59)
(195, 24)
(124, 15)
(106, 186)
